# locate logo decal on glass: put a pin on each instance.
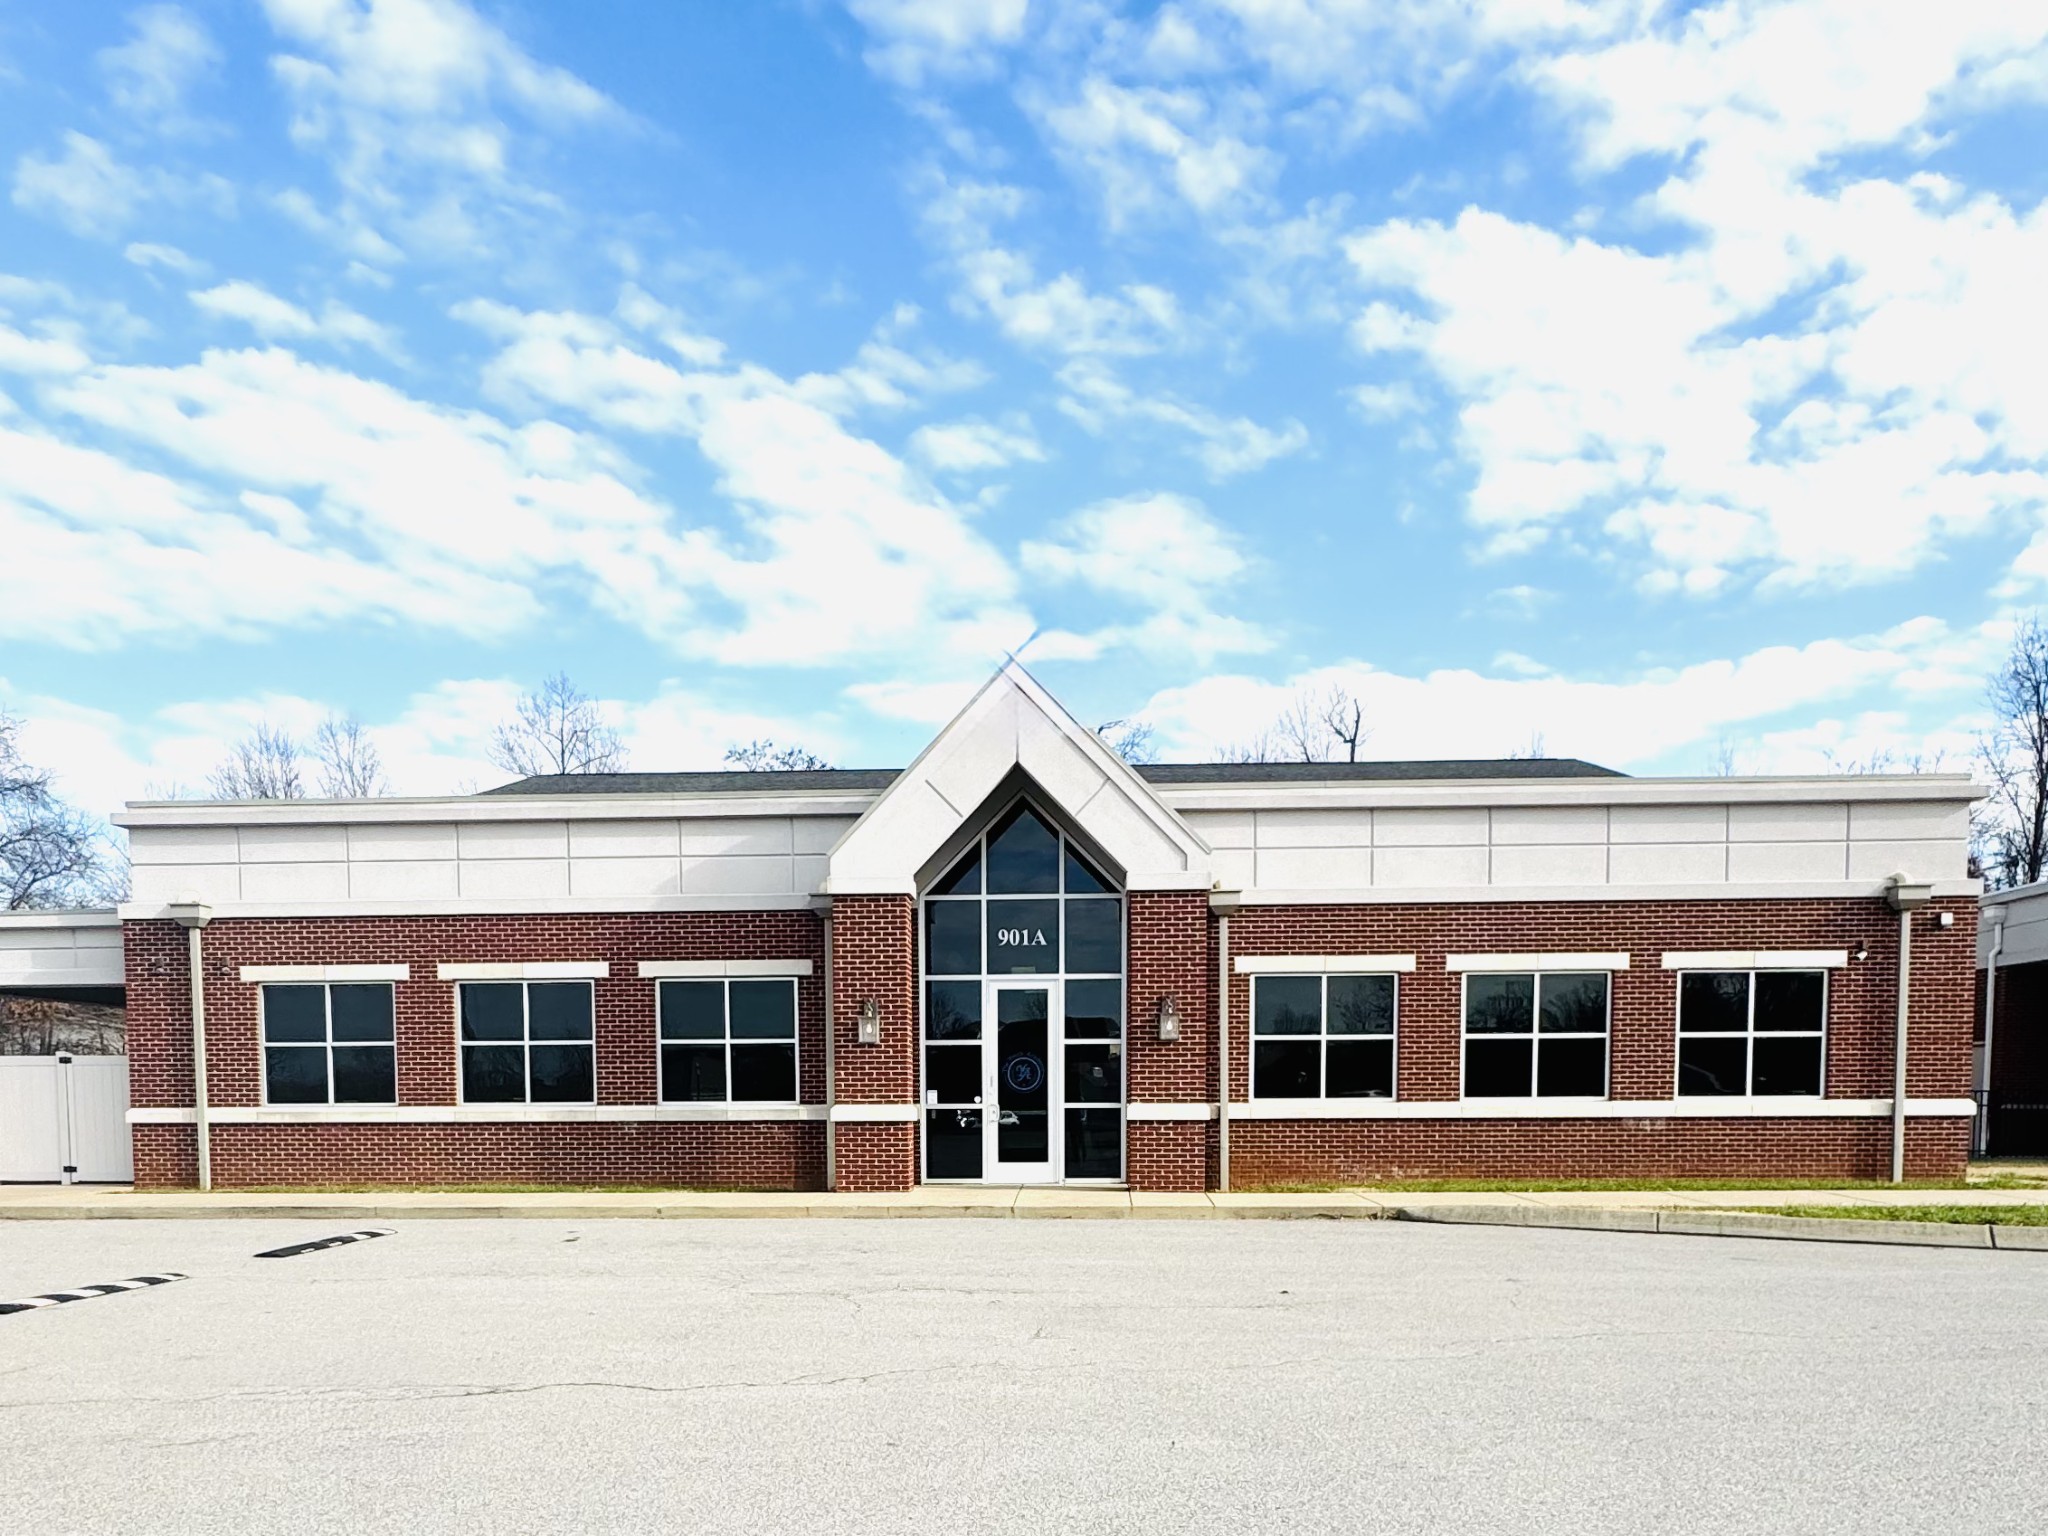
(1024, 1073)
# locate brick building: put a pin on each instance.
(1023, 960)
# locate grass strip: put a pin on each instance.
(1959, 1215)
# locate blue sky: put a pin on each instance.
(1661, 381)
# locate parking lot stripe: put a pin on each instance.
(290, 1250)
(85, 1293)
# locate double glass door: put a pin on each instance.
(1019, 1097)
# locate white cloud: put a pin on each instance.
(1627, 721)
(1060, 314)
(1159, 552)
(147, 254)
(1144, 146)
(839, 551)
(1225, 445)
(410, 100)
(276, 319)
(972, 446)
(150, 75)
(87, 190)
(91, 193)
(915, 39)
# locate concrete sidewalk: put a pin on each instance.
(1616, 1209)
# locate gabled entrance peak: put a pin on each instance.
(1013, 724)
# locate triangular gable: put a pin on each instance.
(1014, 724)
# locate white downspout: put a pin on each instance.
(193, 914)
(1997, 917)
(1223, 1053)
(1906, 898)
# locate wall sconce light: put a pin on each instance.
(1862, 950)
(1169, 1019)
(870, 1023)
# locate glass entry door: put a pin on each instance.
(1023, 1031)
(1022, 1052)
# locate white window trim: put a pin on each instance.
(524, 970)
(1322, 1038)
(684, 970)
(264, 1045)
(795, 1042)
(316, 973)
(1678, 1036)
(1348, 965)
(525, 1044)
(1755, 959)
(1536, 1037)
(1616, 960)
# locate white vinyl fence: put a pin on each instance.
(64, 1120)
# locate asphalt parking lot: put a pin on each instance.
(970, 1376)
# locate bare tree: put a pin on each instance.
(263, 765)
(1535, 749)
(350, 767)
(51, 855)
(765, 756)
(557, 729)
(2013, 829)
(1313, 728)
(1723, 764)
(1129, 738)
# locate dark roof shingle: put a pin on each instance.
(868, 780)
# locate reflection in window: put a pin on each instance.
(1536, 1035)
(527, 1042)
(728, 1041)
(1751, 1032)
(1323, 1037)
(329, 1044)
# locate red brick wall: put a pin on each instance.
(1266, 1152)
(1643, 1053)
(751, 1154)
(159, 1024)
(1171, 954)
(874, 956)
(1643, 1057)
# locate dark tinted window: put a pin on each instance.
(1023, 938)
(964, 878)
(361, 1013)
(295, 1014)
(1287, 1069)
(1713, 1002)
(365, 1074)
(1287, 1005)
(1786, 1064)
(952, 1010)
(952, 1144)
(295, 1075)
(763, 1073)
(493, 1074)
(1789, 1000)
(1498, 1069)
(1572, 1069)
(953, 1073)
(1095, 1009)
(1095, 936)
(559, 1010)
(1082, 880)
(1713, 1064)
(693, 1073)
(1574, 1003)
(1360, 1069)
(693, 1010)
(1095, 1143)
(763, 1010)
(952, 938)
(1499, 1004)
(1023, 855)
(1361, 1005)
(492, 1011)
